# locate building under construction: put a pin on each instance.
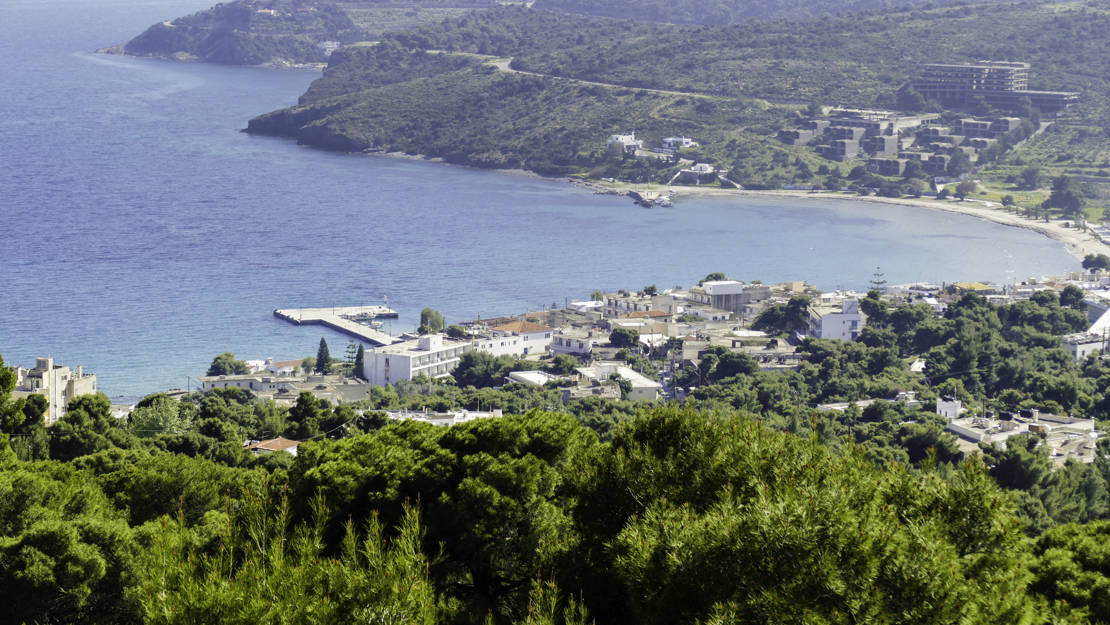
(999, 83)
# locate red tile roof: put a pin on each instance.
(274, 444)
(522, 327)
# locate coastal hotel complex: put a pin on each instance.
(1000, 83)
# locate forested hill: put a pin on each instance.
(712, 12)
(249, 32)
(564, 83)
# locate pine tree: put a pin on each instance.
(323, 358)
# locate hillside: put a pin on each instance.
(249, 32)
(715, 12)
(475, 115)
(731, 87)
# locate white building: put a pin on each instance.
(617, 305)
(949, 408)
(618, 145)
(1064, 437)
(643, 389)
(844, 324)
(518, 338)
(57, 383)
(1084, 344)
(430, 355)
(255, 382)
(670, 144)
(576, 343)
(283, 367)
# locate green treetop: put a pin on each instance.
(226, 364)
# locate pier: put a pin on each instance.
(342, 318)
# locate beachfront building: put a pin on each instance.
(516, 338)
(434, 356)
(58, 383)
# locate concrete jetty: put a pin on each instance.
(342, 318)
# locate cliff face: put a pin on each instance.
(305, 124)
(249, 32)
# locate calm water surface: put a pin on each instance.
(143, 233)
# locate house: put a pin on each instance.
(58, 383)
(1084, 344)
(845, 132)
(699, 173)
(949, 407)
(534, 338)
(937, 163)
(643, 389)
(620, 304)
(980, 143)
(254, 382)
(975, 127)
(730, 295)
(274, 444)
(651, 315)
(282, 367)
(434, 356)
(839, 149)
(444, 419)
(621, 145)
(887, 166)
(794, 136)
(576, 342)
(536, 379)
(670, 145)
(843, 324)
(881, 145)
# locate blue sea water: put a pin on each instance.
(142, 233)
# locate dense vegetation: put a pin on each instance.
(710, 82)
(246, 33)
(716, 12)
(746, 505)
(479, 116)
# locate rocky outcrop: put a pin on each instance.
(305, 125)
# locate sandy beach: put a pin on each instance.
(1077, 242)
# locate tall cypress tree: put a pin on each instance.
(322, 357)
(360, 358)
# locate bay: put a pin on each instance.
(143, 233)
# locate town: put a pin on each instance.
(647, 345)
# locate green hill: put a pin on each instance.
(730, 87)
(249, 32)
(713, 12)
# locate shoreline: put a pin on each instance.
(118, 50)
(1077, 243)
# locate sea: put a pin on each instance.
(142, 233)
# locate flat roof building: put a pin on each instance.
(1000, 83)
(58, 383)
(432, 355)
